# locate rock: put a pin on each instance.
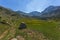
(14, 39)
(20, 38)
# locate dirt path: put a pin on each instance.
(11, 31)
(4, 34)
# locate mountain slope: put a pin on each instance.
(52, 12)
(34, 13)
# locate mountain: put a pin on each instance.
(48, 9)
(22, 13)
(52, 12)
(34, 13)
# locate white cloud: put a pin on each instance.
(37, 5)
(40, 5)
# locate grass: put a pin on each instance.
(50, 29)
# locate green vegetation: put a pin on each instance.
(50, 29)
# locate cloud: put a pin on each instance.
(22, 4)
(40, 5)
(37, 5)
(28, 5)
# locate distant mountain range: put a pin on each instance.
(51, 12)
(34, 13)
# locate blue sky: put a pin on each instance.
(29, 5)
